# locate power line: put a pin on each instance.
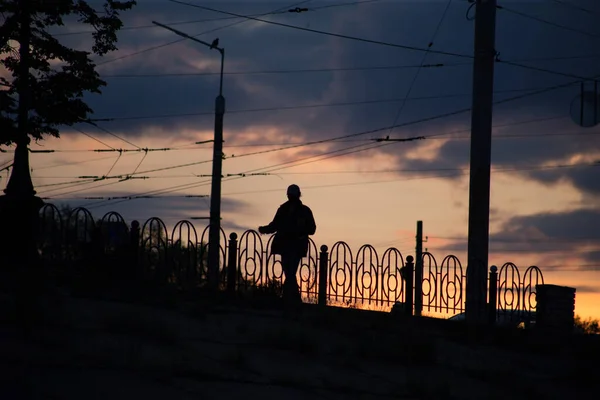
(386, 128)
(448, 174)
(554, 24)
(93, 123)
(287, 71)
(197, 21)
(108, 198)
(73, 163)
(92, 137)
(297, 144)
(574, 6)
(539, 69)
(359, 39)
(338, 69)
(192, 185)
(416, 76)
(147, 49)
(188, 186)
(309, 106)
(523, 240)
(286, 146)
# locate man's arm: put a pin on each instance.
(273, 226)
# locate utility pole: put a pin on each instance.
(214, 229)
(419, 270)
(481, 146)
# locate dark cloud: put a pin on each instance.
(545, 234)
(260, 47)
(587, 289)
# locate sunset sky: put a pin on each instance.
(288, 86)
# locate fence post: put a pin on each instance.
(493, 294)
(407, 273)
(323, 270)
(232, 262)
(418, 275)
(134, 253)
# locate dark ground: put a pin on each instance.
(215, 347)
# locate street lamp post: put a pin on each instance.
(214, 232)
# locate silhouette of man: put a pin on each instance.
(292, 225)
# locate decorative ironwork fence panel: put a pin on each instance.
(73, 240)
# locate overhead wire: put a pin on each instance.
(69, 163)
(328, 155)
(372, 41)
(332, 34)
(148, 49)
(336, 69)
(84, 189)
(416, 75)
(285, 146)
(448, 174)
(309, 106)
(457, 112)
(545, 21)
(191, 185)
(92, 137)
(575, 7)
(197, 21)
(93, 123)
(286, 71)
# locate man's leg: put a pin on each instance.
(290, 262)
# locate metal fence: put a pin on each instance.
(336, 274)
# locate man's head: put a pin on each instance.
(293, 192)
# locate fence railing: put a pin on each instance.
(333, 274)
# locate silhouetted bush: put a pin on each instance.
(588, 326)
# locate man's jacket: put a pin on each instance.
(292, 225)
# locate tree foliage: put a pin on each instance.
(58, 76)
(590, 326)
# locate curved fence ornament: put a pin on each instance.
(430, 281)
(273, 271)
(154, 247)
(308, 272)
(509, 288)
(82, 237)
(452, 285)
(392, 288)
(51, 233)
(251, 259)
(531, 278)
(71, 243)
(80, 225)
(341, 271)
(367, 274)
(223, 240)
(114, 232)
(186, 265)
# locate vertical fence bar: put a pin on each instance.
(493, 294)
(135, 269)
(419, 270)
(323, 270)
(407, 275)
(232, 263)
